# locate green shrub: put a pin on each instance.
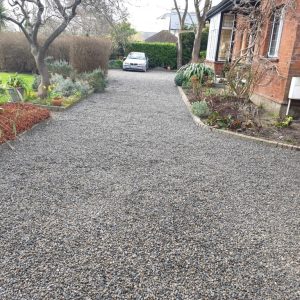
(67, 87)
(187, 46)
(202, 54)
(96, 80)
(115, 64)
(159, 54)
(284, 122)
(15, 81)
(216, 119)
(179, 78)
(61, 67)
(36, 82)
(204, 39)
(201, 71)
(200, 109)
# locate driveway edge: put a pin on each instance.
(199, 123)
(12, 143)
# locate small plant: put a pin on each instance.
(200, 109)
(210, 92)
(96, 79)
(284, 122)
(215, 119)
(201, 71)
(115, 64)
(202, 55)
(15, 81)
(36, 82)
(196, 84)
(60, 67)
(66, 87)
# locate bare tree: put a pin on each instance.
(182, 18)
(96, 17)
(2, 15)
(201, 19)
(30, 16)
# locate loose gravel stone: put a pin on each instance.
(123, 197)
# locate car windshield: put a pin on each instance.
(135, 55)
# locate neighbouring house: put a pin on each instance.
(174, 23)
(280, 45)
(163, 36)
(142, 36)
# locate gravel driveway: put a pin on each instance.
(123, 197)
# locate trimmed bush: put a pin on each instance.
(89, 53)
(179, 78)
(83, 53)
(15, 53)
(200, 109)
(160, 54)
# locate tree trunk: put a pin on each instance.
(201, 23)
(197, 44)
(44, 73)
(179, 51)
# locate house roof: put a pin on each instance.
(190, 20)
(222, 6)
(163, 36)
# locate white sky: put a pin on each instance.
(144, 14)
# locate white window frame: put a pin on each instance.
(213, 37)
(277, 46)
(231, 37)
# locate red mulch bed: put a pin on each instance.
(18, 117)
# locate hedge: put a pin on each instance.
(188, 43)
(187, 46)
(84, 53)
(160, 54)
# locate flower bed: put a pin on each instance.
(18, 117)
(224, 111)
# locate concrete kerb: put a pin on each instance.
(199, 122)
(12, 143)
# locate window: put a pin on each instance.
(277, 24)
(226, 37)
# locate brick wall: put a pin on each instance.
(276, 83)
(217, 66)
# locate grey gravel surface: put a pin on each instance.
(123, 197)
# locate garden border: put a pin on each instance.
(62, 108)
(12, 143)
(199, 122)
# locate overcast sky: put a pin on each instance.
(144, 14)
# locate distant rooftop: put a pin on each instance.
(191, 19)
(163, 36)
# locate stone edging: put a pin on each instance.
(239, 135)
(11, 143)
(62, 108)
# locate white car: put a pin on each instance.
(136, 61)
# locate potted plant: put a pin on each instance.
(56, 99)
(16, 88)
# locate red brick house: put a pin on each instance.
(280, 46)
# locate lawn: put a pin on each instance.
(28, 79)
